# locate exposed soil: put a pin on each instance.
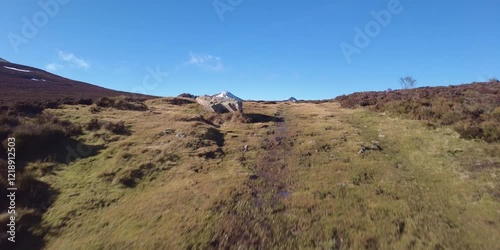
(253, 219)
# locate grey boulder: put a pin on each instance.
(220, 104)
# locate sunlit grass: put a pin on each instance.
(177, 181)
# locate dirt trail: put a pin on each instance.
(253, 219)
(272, 167)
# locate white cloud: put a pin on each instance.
(73, 60)
(209, 62)
(53, 67)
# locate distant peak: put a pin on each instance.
(3, 60)
(227, 94)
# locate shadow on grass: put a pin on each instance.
(33, 199)
(256, 118)
(215, 135)
(64, 150)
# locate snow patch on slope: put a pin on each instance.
(16, 69)
(37, 80)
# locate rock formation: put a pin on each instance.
(221, 103)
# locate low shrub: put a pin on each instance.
(469, 132)
(187, 95)
(85, 101)
(105, 102)
(178, 101)
(69, 101)
(39, 134)
(126, 105)
(28, 108)
(33, 138)
(94, 109)
(121, 103)
(9, 119)
(491, 131)
(118, 128)
(494, 115)
(450, 118)
(69, 128)
(94, 124)
(51, 104)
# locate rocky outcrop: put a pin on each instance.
(187, 95)
(220, 104)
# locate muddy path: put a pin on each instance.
(253, 218)
(272, 169)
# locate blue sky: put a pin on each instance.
(255, 49)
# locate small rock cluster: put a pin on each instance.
(374, 146)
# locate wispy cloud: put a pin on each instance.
(53, 67)
(73, 60)
(67, 60)
(209, 62)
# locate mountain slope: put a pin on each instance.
(20, 83)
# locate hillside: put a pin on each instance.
(20, 83)
(473, 110)
(282, 176)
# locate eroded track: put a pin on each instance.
(253, 219)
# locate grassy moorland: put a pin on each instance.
(165, 174)
(473, 110)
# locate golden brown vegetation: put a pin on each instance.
(282, 176)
